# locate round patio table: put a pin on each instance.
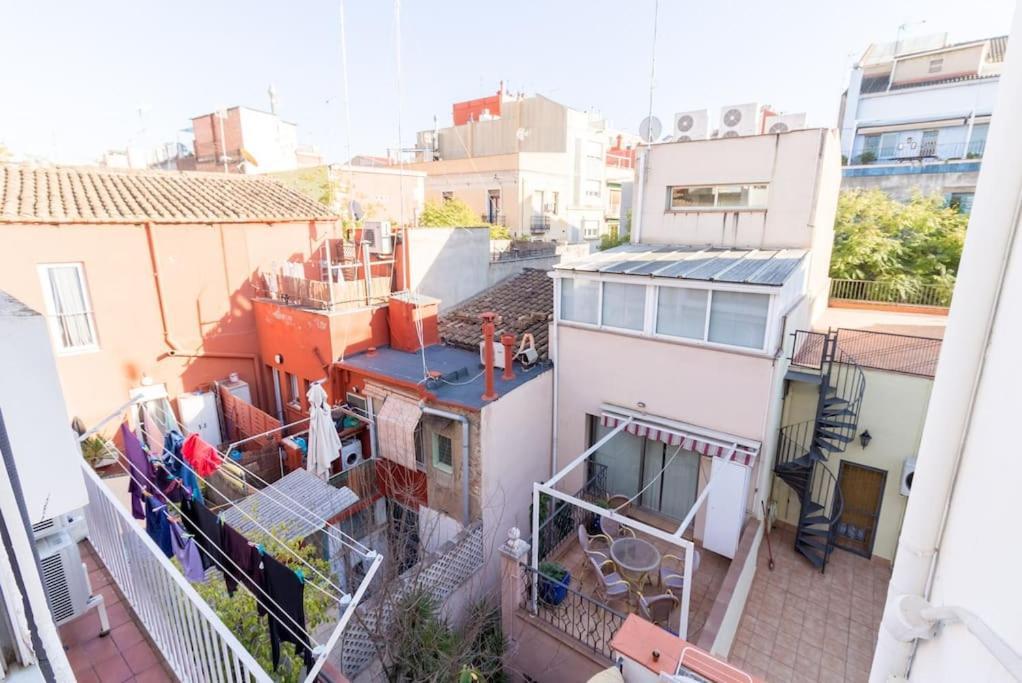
(636, 556)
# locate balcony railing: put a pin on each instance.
(920, 151)
(539, 224)
(194, 641)
(588, 621)
(494, 219)
(891, 293)
(566, 518)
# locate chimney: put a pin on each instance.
(508, 340)
(488, 330)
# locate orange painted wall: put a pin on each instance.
(207, 273)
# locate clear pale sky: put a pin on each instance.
(75, 74)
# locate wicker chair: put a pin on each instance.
(614, 529)
(586, 542)
(657, 608)
(611, 586)
(672, 571)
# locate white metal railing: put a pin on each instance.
(193, 639)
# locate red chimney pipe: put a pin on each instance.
(488, 331)
(508, 340)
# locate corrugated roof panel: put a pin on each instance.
(779, 269)
(749, 265)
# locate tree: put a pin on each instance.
(908, 244)
(454, 213)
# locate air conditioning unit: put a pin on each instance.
(66, 581)
(73, 523)
(908, 472)
(238, 388)
(691, 125)
(351, 454)
(783, 123)
(378, 235)
(498, 354)
(738, 120)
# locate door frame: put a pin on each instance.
(868, 554)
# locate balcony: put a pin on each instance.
(494, 219)
(921, 152)
(539, 225)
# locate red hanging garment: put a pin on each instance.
(202, 457)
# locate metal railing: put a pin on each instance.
(192, 638)
(519, 250)
(920, 151)
(903, 353)
(494, 219)
(539, 224)
(586, 620)
(807, 349)
(565, 519)
(875, 291)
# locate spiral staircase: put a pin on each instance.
(805, 447)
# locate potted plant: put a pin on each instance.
(593, 526)
(867, 157)
(95, 452)
(553, 582)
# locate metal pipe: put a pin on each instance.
(488, 330)
(508, 340)
(465, 507)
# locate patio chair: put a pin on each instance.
(614, 529)
(619, 501)
(657, 608)
(587, 542)
(672, 570)
(612, 586)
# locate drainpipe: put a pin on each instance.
(636, 227)
(552, 353)
(508, 340)
(426, 410)
(985, 263)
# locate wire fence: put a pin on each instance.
(891, 293)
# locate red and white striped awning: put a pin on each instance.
(704, 445)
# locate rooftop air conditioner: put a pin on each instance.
(691, 125)
(784, 123)
(738, 120)
(66, 582)
(73, 523)
(378, 235)
(908, 472)
(498, 354)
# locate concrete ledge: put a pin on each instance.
(889, 308)
(722, 623)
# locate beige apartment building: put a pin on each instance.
(536, 166)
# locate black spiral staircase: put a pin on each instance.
(804, 448)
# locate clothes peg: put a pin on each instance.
(301, 575)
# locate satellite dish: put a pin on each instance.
(650, 128)
(356, 210)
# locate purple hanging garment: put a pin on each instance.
(139, 467)
(187, 553)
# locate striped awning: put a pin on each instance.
(743, 454)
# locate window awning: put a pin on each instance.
(396, 422)
(743, 454)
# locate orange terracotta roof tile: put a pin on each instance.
(60, 194)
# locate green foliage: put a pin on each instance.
(909, 244)
(451, 213)
(499, 232)
(867, 157)
(94, 450)
(240, 615)
(423, 646)
(612, 240)
(313, 182)
(553, 570)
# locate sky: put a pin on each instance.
(83, 77)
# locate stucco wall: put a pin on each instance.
(207, 274)
(450, 264)
(902, 186)
(893, 410)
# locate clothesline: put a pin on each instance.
(330, 530)
(343, 594)
(308, 638)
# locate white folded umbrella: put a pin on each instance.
(324, 444)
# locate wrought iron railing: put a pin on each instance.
(581, 617)
(891, 292)
(920, 151)
(519, 250)
(539, 224)
(903, 353)
(194, 641)
(807, 349)
(560, 520)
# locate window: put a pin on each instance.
(681, 312)
(593, 188)
(594, 150)
(443, 457)
(67, 302)
(978, 141)
(292, 385)
(936, 64)
(580, 300)
(590, 228)
(624, 305)
(717, 197)
(960, 201)
(738, 318)
(420, 455)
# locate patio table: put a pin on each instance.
(636, 556)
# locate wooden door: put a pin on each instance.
(862, 488)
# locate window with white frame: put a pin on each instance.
(716, 197)
(590, 228)
(294, 398)
(936, 64)
(738, 318)
(594, 150)
(681, 312)
(624, 305)
(593, 188)
(443, 452)
(580, 300)
(68, 306)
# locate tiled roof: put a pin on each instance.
(523, 302)
(56, 194)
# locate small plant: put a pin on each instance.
(867, 157)
(94, 450)
(553, 582)
(553, 570)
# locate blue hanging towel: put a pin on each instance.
(172, 452)
(191, 482)
(158, 526)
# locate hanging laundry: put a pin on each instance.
(244, 567)
(140, 469)
(209, 535)
(187, 553)
(170, 486)
(202, 457)
(287, 608)
(157, 525)
(152, 433)
(172, 457)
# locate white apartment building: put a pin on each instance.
(537, 167)
(916, 115)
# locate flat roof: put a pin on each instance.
(461, 382)
(770, 267)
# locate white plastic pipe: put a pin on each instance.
(992, 235)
